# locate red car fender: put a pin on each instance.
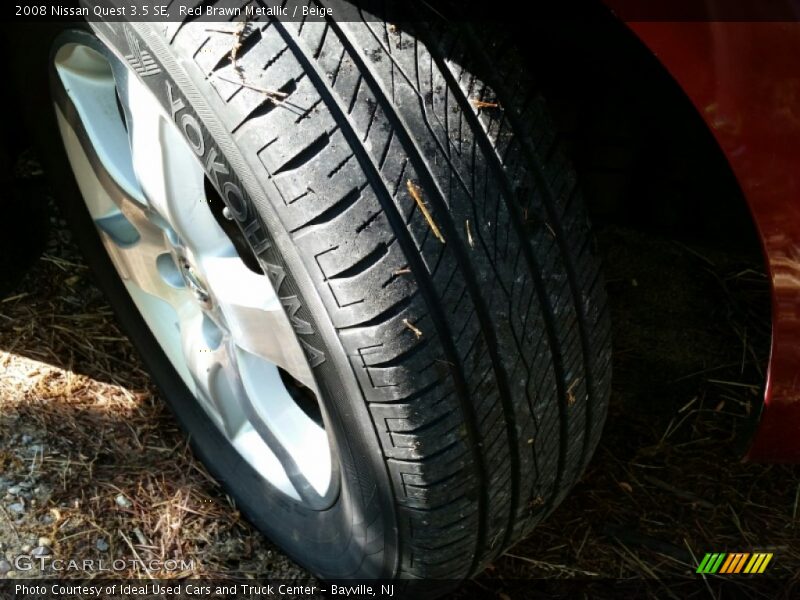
(744, 79)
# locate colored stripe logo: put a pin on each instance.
(732, 563)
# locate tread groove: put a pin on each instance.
(556, 223)
(417, 267)
(305, 155)
(437, 199)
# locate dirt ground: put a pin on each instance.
(93, 466)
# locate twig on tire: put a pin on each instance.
(417, 332)
(237, 45)
(481, 104)
(403, 271)
(417, 196)
(273, 95)
(469, 235)
(218, 30)
(237, 32)
(571, 392)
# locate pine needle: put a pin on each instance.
(417, 196)
(481, 104)
(417, 332)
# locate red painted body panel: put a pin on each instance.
(744, 79)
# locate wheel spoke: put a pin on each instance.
(87, 101)
(133, 242)
(208, 363)
(170, 176)
(255, 316)
(295, 463)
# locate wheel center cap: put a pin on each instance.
(195, 283)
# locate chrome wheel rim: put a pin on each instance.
(220, 324)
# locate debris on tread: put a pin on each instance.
(416, 193)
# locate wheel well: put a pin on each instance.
(644, 156)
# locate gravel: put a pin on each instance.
(17, 507)
(123, 502)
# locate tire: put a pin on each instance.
(407, 197)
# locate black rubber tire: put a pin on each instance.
(409, 201)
